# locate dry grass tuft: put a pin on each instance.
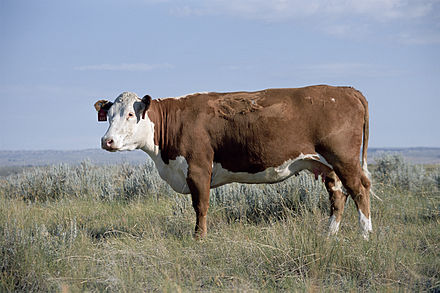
(120, 228)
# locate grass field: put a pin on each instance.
(120, 228)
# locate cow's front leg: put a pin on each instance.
(198, 180)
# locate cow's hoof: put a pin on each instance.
(199, 236)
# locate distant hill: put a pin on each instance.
(50, 157)
(418, 155)
(14, 161)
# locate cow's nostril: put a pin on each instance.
(109, 142)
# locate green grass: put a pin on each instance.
(87, 242)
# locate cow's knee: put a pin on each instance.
(366, 182)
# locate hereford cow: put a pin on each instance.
(205, 140)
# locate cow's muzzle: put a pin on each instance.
(108, 144)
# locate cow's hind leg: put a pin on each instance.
(337, 201)
(358, 186)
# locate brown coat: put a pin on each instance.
(206, 140)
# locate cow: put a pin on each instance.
(204, 140)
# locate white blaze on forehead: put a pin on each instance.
(123, 103)
(126, 96)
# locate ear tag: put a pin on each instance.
(102, 115)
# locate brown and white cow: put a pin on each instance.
(205, 140)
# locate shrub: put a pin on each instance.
(253, 202)
(256, 202)
(394, 170)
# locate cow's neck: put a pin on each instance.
(147, 138)
(162, 136)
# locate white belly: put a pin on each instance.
(290, 167)
(176, 171)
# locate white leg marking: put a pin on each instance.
(365, 225)
(338, 186)
(333, 227)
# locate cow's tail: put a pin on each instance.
(366, 135)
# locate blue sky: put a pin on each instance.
(58, 57)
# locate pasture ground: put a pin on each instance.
(59, 238)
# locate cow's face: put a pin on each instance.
(129, 126)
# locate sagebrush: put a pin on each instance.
(121, 228)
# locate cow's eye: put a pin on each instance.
(130, 115)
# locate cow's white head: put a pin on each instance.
(130, 128)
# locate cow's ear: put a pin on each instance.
(146, 100)
(103, 105)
